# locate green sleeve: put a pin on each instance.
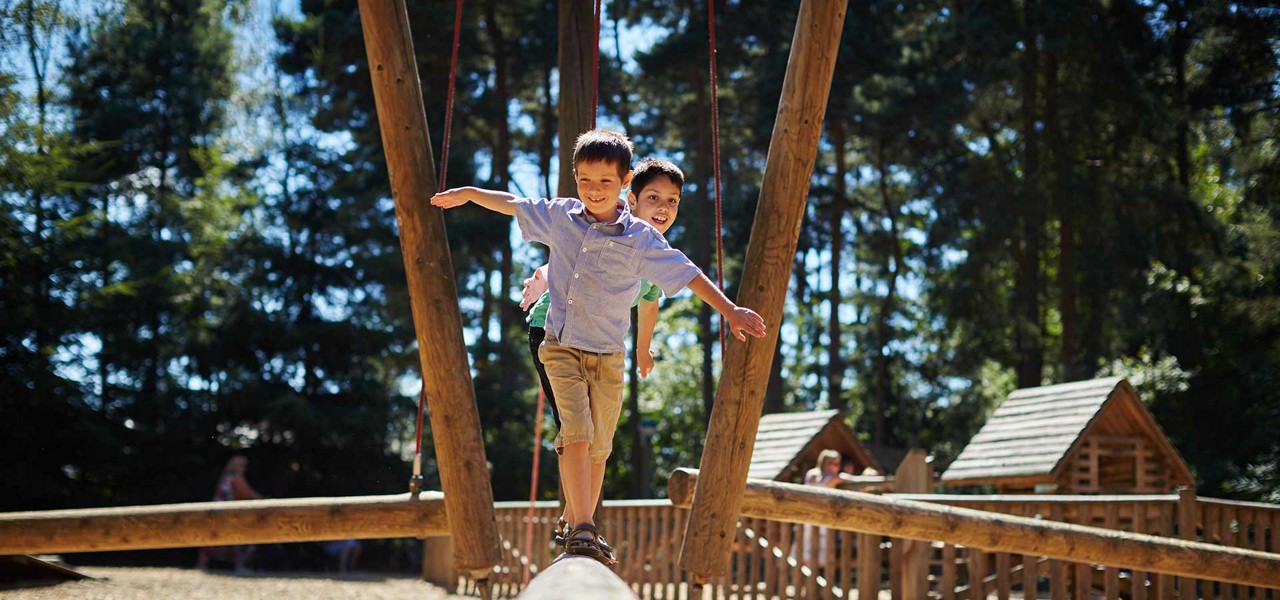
(648, 292)
(538, 314)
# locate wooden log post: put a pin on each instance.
(446, 372)
(221, 523)
(735, 416)
(993, 532)
(577, 577)
(577, 34)
(914, 477)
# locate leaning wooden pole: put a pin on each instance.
(446, 373)
(992, 532)
(222, 523)
(745, 373)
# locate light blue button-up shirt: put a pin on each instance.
(595, 269)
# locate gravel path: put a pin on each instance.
(116, 583)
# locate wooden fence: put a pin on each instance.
(772, 559)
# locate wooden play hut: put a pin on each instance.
(1084, 437)
(788, 444)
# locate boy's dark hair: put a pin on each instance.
(604, 145)
(649, 169)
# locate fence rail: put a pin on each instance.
(773, 559)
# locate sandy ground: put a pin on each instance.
(116, 583)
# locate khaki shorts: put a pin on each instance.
(588, 389)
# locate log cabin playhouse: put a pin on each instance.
(1084, 437)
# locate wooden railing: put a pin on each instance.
(772, 559)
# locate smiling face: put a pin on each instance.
(658, 204)
(599, 186)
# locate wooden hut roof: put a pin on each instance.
(784, 440)
(1035, 429)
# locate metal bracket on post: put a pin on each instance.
(415, 482)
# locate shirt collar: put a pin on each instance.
(624, 213)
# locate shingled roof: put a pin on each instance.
(788, 443)
(1035, 429)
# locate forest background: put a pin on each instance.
(198, 252)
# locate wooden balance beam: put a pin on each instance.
(577, 577)
(222, 523)
(867, 513)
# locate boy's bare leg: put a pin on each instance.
(597, 484)
(575, 473)
(568, 515)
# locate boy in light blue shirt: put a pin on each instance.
(599, 253)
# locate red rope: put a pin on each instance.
(715, 158)
(533, 483)
(595, 67)
(448, 106)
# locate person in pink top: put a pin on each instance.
(231, 486)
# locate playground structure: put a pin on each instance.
(716, 501)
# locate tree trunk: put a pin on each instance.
(577, 34)
(1027, 322)
(1064, 206)
(839, 205)
(1178, 13)
(501, 180)
(881, 365)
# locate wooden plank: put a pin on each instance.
(433, 295)
(895, 567)
(1004, 579)
(1227, 534)
(778, 581)
(1057, 569)
(977, 574)
(1163, 587)
(1139, 587)
(222, 523)
(775, 230)
(1111, 575)
(1082, 577)
(868, 565)
(847, 540)
(947, 583)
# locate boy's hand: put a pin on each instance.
(742, 321)
(451, 198)
(534, 287)
(644, 363)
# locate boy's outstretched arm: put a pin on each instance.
(646, 320)
(493, 200)
(741, 320)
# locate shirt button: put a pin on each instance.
(571, 301)
(584, 248)
(575, 275)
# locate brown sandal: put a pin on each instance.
(561, 532)
(593, 547)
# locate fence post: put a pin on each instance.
(437, 563)
(1188, 520)
(913, 477)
